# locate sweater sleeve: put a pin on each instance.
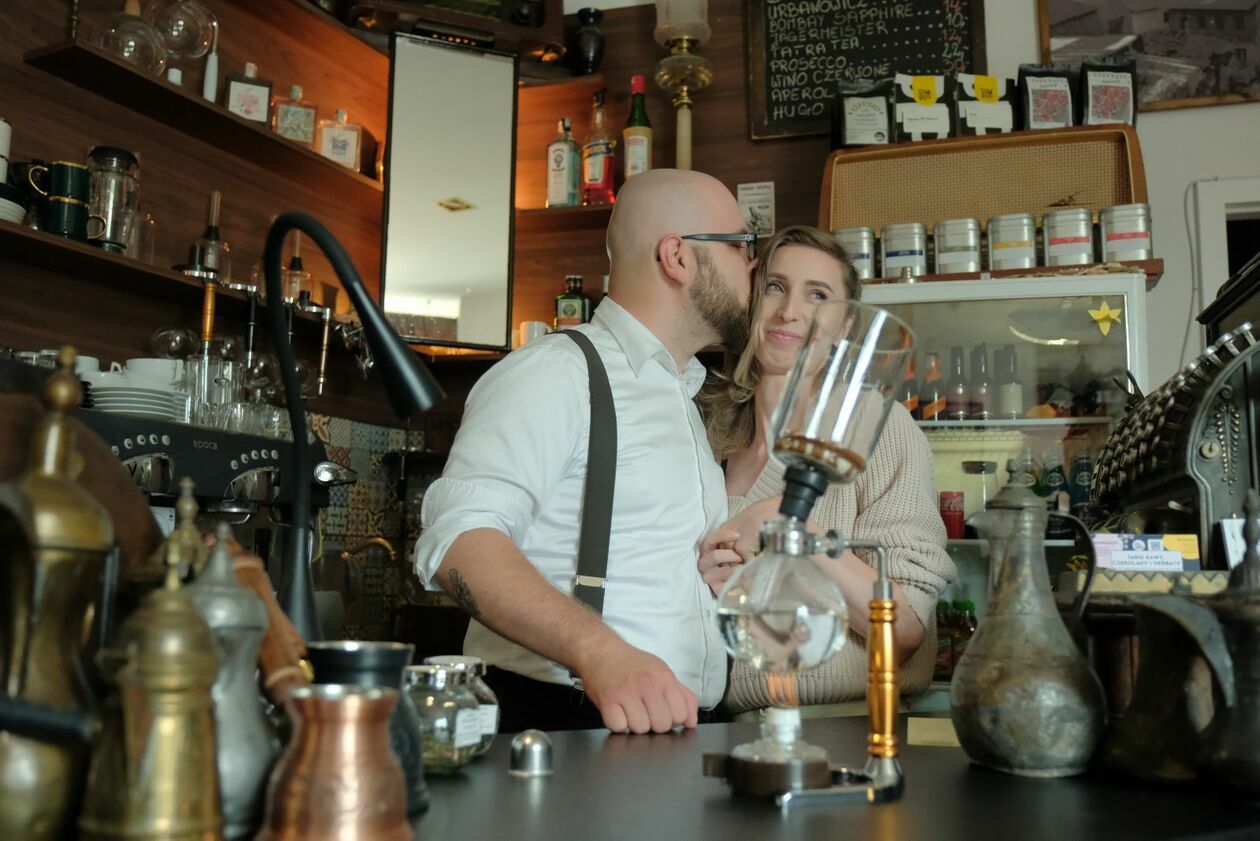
(896, 507)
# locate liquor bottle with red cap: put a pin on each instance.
(637, 135)
(598, 163)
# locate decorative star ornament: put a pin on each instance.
(1105, 316)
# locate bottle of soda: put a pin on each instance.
(932, 394)
(908, 394)
(963, 628)
(957, 393)
(944, 669)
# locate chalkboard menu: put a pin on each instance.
(800, 49)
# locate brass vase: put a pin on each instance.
(338, 779)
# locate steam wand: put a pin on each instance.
(409, 386)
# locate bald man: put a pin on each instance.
(501, 526)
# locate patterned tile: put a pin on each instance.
(339, 495)
(336, 521)
(356, 524)
(341, 455)
(340, 432)
(360, 462)
(397, 439)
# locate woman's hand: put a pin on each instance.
(718, 557)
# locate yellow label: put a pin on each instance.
(1186, 544)
(1014, 243)
(924, 88)
(987, 88)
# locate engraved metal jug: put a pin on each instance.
(54, 541)
(153, 772)
(338, 779)
(379, 664)
(1023, 698)
(246, 744)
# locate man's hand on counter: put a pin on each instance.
(486, 574)
(635, 691)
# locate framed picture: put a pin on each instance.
(1188, 52)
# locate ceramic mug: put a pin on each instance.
(61, 178)
(68, 217)
(169, 371)
(530, 330)
(86, 365)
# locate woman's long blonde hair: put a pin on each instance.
(726, 401)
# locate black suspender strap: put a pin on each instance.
(601, 475)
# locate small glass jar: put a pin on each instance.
(471, 672)
(450, 718)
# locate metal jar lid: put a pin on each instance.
(436, 678)
(1067, 215)
(902, 228)
(1139, 209)
(474, 666)
(957, 226)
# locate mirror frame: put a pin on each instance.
(389, 152)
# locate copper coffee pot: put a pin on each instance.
(54, 539)
(339, 779)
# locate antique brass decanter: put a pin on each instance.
(780, 612)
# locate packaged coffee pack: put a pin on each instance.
(1108, 91)
(860, 113)
(922, 107)
(984, 104)
(1045, 96)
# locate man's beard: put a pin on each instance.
(718, 305)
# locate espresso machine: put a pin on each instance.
(238, 478)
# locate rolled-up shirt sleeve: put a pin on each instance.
(523, 425)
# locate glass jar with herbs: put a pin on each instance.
(450, 717)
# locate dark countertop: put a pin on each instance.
(649, 788)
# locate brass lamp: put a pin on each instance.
(682, 27)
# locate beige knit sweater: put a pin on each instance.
(894, 503)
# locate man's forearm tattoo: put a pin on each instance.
(462, 594)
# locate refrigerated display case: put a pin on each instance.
(1076, 342)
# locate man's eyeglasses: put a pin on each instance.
(748, 240)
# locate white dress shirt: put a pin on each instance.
(518, 465)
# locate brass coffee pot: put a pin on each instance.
(54, 541)
(1185, 720)
(1023, 698)
(153, 772)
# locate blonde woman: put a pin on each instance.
(892, 502)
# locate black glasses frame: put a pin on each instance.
(748, 239)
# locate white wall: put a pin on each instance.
(1179, 147)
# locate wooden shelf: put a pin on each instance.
(595, 80)
(549, 220)
(1013, 423)
(115, 271)
(95, 70)
(1153, 268)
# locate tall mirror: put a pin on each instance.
(447, 251)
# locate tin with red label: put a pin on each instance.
(951, 506)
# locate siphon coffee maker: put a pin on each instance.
(780, 612)
(115, 176)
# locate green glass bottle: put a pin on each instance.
(573, 306)
(637, 134)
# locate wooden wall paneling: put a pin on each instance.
(721, 144)
(53, 119)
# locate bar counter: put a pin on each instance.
(650, 788)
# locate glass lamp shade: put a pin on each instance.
(185, 25)
(677, 19)
(841, 388)
(134, 39)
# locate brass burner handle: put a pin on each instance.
(883, 683)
